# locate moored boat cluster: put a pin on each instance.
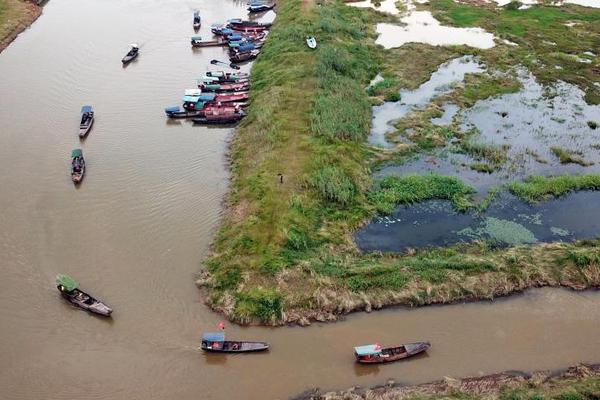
(220, 97)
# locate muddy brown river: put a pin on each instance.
(136, 230)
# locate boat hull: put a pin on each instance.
(82, 300)
(85, 129)
(235, 347)
(129, 58)
(391, 354)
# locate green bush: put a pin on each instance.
(264, 304)
(393, 190)
(333, 185)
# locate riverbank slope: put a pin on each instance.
(15, 17)
(576, 383)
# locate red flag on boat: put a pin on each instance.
(377, 346)
(222, 325)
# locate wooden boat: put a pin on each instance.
(230, 65)
(246, 36)
(132, 54)
(197, 21)
(231, 97)
(244, 28)
(224, 87)
(375, 354)
(197, 42)
(257, 7)
(249, 24)
(216, 117)
(69, 290)
(216, 343)
(246, 56)
(311, 42)
(227, 77)
(87, 119)
(177, 112)
(77, 166)
(244, 47)
(221, 30)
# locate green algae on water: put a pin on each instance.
(500, 231)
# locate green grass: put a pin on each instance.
(535, 29)
(495, 155)
(537, 188)
(567, 156)
(393, 190)
(283, 247)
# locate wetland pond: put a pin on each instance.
(532, 127)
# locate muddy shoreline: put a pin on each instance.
(33, 11)
(488, 386)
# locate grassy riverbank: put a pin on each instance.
(15, 17)
(575, 383)
(285, 251)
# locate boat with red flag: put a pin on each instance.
(375, 354)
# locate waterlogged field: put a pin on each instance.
(474, 154)
(519, 128)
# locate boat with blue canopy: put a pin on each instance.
(215, 342)
(375, 354)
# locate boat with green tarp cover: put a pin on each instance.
(69, 289)
(77, 166)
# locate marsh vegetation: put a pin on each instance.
(286, 251)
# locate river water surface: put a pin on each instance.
(136, 230)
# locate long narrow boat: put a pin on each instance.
(132, 54)
(224, 87)
(216, 118)
(177, 112)
(247, 56)
(227, 76)
(244, 28)
(87, 119)
(197, 21)
(216, 343)
(231, 97)
(257, 7)
(197, 41)
(375, 354)
(69, 290)
(77, 166)
(245, 23)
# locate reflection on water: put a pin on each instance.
(508, 221)
(441, 82)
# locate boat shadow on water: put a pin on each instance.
(375, 369)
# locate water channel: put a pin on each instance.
(136, 230)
